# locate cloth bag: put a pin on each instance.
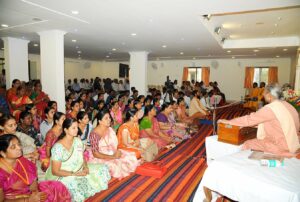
(153, 169)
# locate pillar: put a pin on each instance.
(16, 60)
(297, 76)
(138, 71)
(52, 66)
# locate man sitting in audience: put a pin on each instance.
(275, 134)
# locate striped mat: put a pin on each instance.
(186, 164)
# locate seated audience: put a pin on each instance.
(18, 176)
(50, 139)
(84, 127)
(104, 143)
(181, 112)
(13, 90)
(75, 108)
(36, 119)
(39, 98)
(129, 138)
(47, 124)
(116, 115)
(275, 134)
(69, 166)
(19, 101)
(197, 110)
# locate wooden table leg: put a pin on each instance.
(208, 194)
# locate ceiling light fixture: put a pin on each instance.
(194, 58)
(75, 12)
(207, 17)
(277, 56)
(232, 57)
(285, 49)
(275, 24)
(107, 56)
(255, 50)
(133, 34)
(4, 25)
(74, 40)
(77, 47)
(114, 49)
(229, 51)
(35, 44)
(181, 53)
(164, 46)
(78, 51)
(217, 30)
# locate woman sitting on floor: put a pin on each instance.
(104, 149)
(116, 115)
(149, 128)
(197, 110)
(129, 138)
(181, 112)
(9, 126)
(84, 127)
(168, 127)
(74, 110)
(25, 126)
(51, 137)
(47, 124)
(69, 167)
(19, 101)
(18, 176)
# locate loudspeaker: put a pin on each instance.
(123, 70)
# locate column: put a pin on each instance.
(52, 65)
(297, 77)
(138, 71)
(16, 60)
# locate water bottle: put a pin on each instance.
(271, 163)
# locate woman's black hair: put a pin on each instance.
(112, 104)
(5, 118)
(47, 110)
(5, 141)
(130, 113)
(28, 107)
(80, 115)
(155, 100)
(164, 106)
(66, 125)
(101, 114)
(179, 100)
(148, 109)
(56, 117)
(140, 97)
(73, 103)
(51, 102)
(24, 114)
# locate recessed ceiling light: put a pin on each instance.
(114, 49)
(229, 51)
(164, 46)
(275, 24)
(77, 47)
(255, 50)
(181, 53)
(75, 12)
(194, 58)
(107, 56)
(35, 44)
(4, 25)
(277, 56)
(74, 40)
(232, 57)
(133, 34)
(78, 51)
(285, 49)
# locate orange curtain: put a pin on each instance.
(185, 74)
(249, 75)
(273, 75)
(205, 75)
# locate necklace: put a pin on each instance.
(26, 181)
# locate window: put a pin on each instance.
(195, 74)
(261, 75)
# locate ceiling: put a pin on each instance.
(168, 29)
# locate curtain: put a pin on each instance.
(249, 75)
(273, 75)
(185, 74)
(205, 75)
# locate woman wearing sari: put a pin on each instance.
(129, 140)
(8, 125)
(104, 143)
(69, 167)
(19, 101)
(168, 127)
(74, 110)
(36, 119)
(149, 128)
(39, 98)
(181, 112)
(84, 127)
(51, 137)
(116, 115)
(18, 177)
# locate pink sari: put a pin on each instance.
(13, 187)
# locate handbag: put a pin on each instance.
(153, 169)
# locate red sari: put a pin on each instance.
(19, 102)
(14, 187)
(40, 106)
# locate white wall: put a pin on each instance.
(229, 73)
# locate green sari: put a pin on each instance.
(80, 187)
